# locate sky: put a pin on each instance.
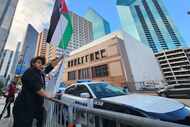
(38, 13)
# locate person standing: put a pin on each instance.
(29, 103)
(10, 96)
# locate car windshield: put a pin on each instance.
(103, 90)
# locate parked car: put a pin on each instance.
(60, 90)
(105, 96)
(62, 87)
(178, 90)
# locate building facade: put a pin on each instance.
(115, 58)
(82, 34)
(6, 62)
(7, 11)
(42, 45)
(12, 69)
(149, 22)
(101, 27)
(175, 65)
(29, 48)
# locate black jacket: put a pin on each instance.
(28, 101)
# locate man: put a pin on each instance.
(10, 95)
(29, 103)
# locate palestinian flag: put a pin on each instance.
(60, 31)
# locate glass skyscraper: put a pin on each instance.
(28, 49)
(7, 11)
(149, 22)
(100, 26)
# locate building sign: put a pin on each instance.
(100, 54)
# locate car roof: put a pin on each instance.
(87, 83)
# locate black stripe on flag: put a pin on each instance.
(54, 20)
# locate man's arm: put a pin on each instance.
(43, 93)
(50, 67)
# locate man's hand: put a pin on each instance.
(54, 62)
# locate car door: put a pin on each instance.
(72, 95)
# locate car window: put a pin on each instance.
(71, 89)
(103, 90)
(77, 90)
(83, 89)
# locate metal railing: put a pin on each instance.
(66, 114)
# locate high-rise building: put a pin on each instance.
(29, 48)
(7, 11)
(175, 65)
(82, 34)
(101, 27)
(12, 69)
(42, 45)
(52, 52)
(149, 22)
(6, 61)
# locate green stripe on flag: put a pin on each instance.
(67, 33)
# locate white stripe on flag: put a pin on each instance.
(59, 31)
(51, 85)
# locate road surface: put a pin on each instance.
(4, 122)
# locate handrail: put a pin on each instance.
(121, 117)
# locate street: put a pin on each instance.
(4, 122)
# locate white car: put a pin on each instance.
(102, 95)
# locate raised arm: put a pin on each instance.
(50, 66)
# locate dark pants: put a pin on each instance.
(23, 119)
(7, 106)
(40, 116)
(9, 101)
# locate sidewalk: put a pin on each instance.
(4, 122)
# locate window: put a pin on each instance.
(72, 75)
(79, 62)
(77, 90)
(100, 71)
(84, 73)
(92, 57)
(103, 90)
(75, 62)
(70, 90)
(82, 89)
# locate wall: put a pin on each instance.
(143, 63)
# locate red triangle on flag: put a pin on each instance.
(63, 8)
